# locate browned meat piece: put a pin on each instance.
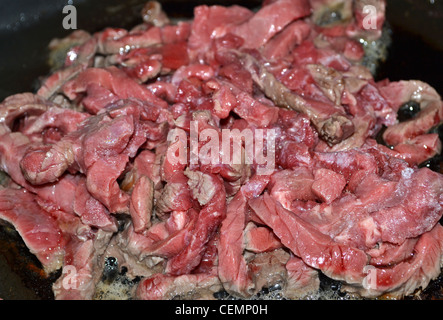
(332, 123)
(210, 217)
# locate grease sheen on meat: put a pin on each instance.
(93, 155)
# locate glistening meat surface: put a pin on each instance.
(234, 152)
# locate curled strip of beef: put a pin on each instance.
(231, 250)
(317, 250)
(330, 81)
(53, 124)
(302, 279)
(404, 277)
(146, 163)
(332, 124)
(412, 139)
(209, 220)
(175, 196)
(111, 41)
(45, 164)
(430, 115)
(210, 21)
(100, 148)
(232, 266)
(163, 239)
(17, 106)
(282, 43)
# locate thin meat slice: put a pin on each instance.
(81, 268)
(14, 108)
(256, 113)
(101, 182)
(78, 59)
(209, 220)
(166, 287)
(420, 209)
(112, 41)
(209, 262)
(54, 123)
(211, 22)
(110, 81)
(331, 122)
(146, 163)
(269, 20)
(289, 185)
(175, 196)
(302, 280)
(282, 43)
(91, 211)
(260, 239)
(38, 229)
(388, 254)
(142, 203)
(164, 239)
(430, 115)
(232, 266)
(316, 249)
(415, 272)
(419, 149)
(99, 148)
(98, 136)
(68, 194)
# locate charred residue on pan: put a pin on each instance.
(34, 282)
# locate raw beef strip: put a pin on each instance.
(38, 229)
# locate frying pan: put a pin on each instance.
(27, 26)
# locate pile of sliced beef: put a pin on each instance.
(90, 173)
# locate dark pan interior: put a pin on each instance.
(27, 26)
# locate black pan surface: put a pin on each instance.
(27, 26)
